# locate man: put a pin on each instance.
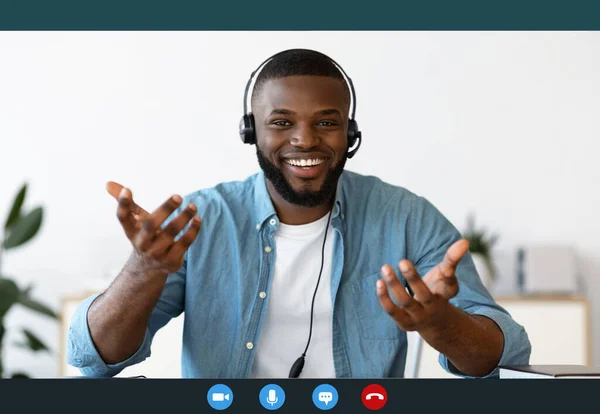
(292, 273)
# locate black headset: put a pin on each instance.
(247, 129)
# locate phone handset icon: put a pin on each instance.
(374, 397)
(374, 394)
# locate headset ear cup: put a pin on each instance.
(246, 129)
(352, 132)
(353, 135)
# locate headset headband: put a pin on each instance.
(348, 80)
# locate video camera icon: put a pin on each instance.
(220, 397)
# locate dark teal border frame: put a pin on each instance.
(299, 15)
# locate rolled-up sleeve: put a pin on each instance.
(432, 234)
(517, 347)
(81, 351)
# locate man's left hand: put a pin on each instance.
(426, 309)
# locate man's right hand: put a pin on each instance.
(155, 248)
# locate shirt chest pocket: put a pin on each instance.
(372, 320)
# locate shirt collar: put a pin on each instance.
(264, 206)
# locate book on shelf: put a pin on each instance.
(549, 371)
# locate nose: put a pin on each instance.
(304, 136)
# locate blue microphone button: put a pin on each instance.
(272, 397)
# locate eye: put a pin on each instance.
(281, 123)
(327, 123)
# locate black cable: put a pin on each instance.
(299, 364)
(316, 287)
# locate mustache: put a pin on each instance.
(304, 198)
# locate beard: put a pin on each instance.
(306, 197)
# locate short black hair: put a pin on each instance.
(298, 62)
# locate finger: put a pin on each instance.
(152, 223)
(397, 289)
(114, 189)
(185, 241)
(125, 214)
(166, 237)
(453, 255)
(398, 314)
(420, 290)
(139, 213)
(440, 285)
(446, 287)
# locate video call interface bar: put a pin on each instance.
(304, 395)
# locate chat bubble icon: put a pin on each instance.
(325, 397)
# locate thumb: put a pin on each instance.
(114, 189)
(453, 255)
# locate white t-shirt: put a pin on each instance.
(286, 327)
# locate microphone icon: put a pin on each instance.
(272, 397)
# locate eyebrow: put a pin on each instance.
(331, 111)
(280, 111)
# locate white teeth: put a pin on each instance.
(305, 163)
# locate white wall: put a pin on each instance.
(505, 124)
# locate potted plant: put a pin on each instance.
(19, 228)
(481, 244)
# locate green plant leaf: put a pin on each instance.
(15, 211)
(9, 295)
(27, 290)
(33, 342)
(493, 239)
(34, 305)
(19, 375)
(24, 229)
(471, 223)
(479, 240)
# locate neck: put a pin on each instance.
(294, 214)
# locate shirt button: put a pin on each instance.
(258, 227)
(262, 295)
(273, 222)
(268, 249)
(249, 345)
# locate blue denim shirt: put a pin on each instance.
(233, 258)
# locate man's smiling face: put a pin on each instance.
(301, 129)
